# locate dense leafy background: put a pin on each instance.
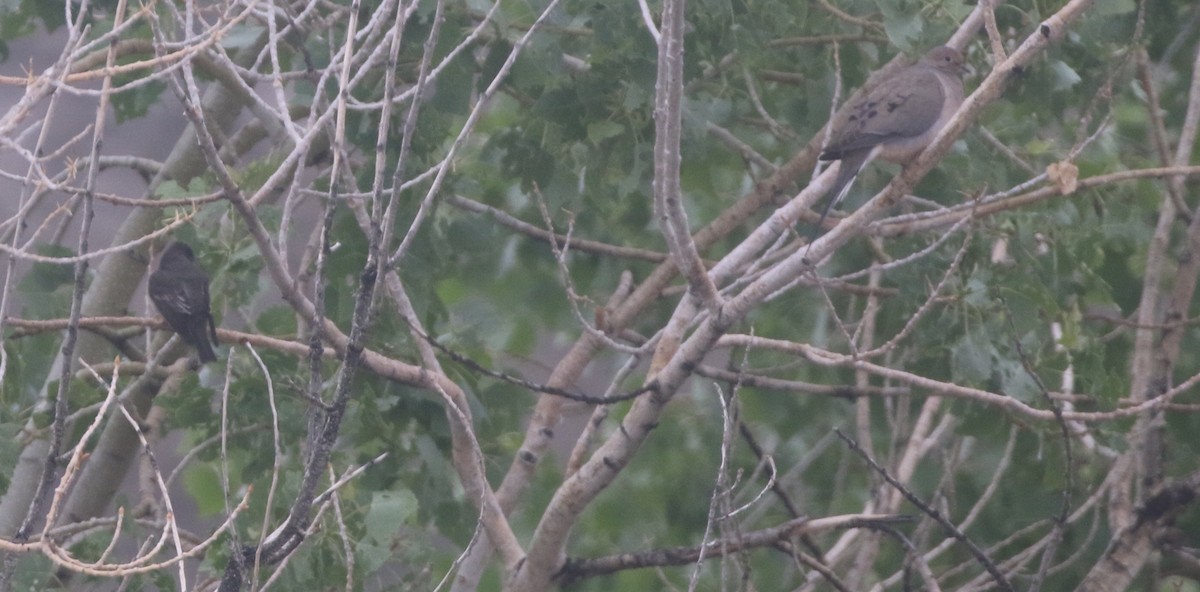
(573, 125)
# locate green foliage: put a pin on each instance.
(137, 100)
(47, 287)
(204, 484)
(21, 18)
(571, 132)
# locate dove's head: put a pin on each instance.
(946, 59)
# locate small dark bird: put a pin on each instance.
(179, 289)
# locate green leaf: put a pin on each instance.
(972, 358)
(388, 512)
(1064, 76)
(204, 483)
(603, 130)
(46, 289)
(242, 36)
(1016, 382)
(277, 320)
(1113, 7)
(902, 23)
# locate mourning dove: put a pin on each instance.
(896, 120)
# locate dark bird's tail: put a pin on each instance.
(199, 339)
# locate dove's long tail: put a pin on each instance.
(848, 168)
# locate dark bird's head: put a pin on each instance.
(178, 251)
